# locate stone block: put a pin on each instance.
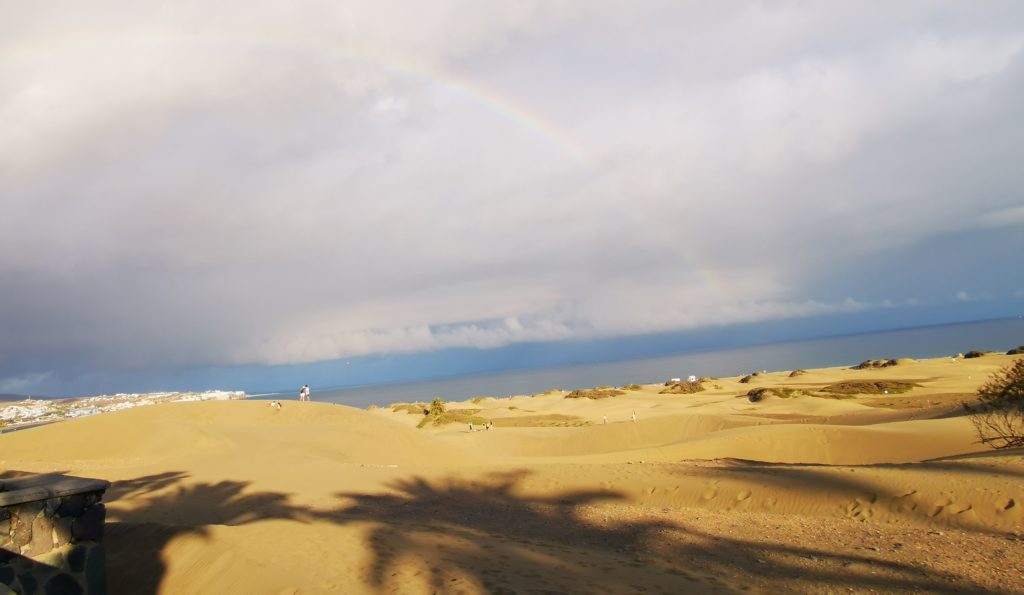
(50, 506)
(29, 583)
(56, 559)
(42, 536)
(76, 558)
(96, 571)
(62, 584)
(22, 533)
(89, 526)
(29, 510)
(61, 531)
(71, 506)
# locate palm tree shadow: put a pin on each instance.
(156, 509)
(488, 536)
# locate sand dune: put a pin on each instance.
(704, 492)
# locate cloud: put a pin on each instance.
(252, 183)
(23, 383)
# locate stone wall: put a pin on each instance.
(51, 532)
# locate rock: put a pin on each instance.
(62, 584)
(42, 536)
(89, 526)
(76, 558)
(71, 506)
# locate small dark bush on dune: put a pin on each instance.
(682, 388)
(1016, 351)
(756, 395)
(438, 414)
(746, 379)
(869, 387)
(871, 364)
(796, 373)
(594, 393)
(973, 354)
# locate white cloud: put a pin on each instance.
(262, 183)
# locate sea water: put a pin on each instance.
(924, 342)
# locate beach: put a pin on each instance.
(806, 486)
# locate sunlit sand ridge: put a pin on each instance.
(805, 490)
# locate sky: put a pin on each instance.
(243, 186)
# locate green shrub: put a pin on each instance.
(437, 407)
(1016, 351)
(973, 354)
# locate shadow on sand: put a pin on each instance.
(490, 535)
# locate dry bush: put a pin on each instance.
(973, 354)
(411, 408)
(594, 393)
(755, 395)
(868, 387)
(870, 364)
(1016, 351)
(998, 416)
(682, 388)
(796, 373)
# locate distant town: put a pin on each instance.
(31, 412)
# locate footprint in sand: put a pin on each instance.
(1007, 505)
(742, 495)
(710, 493)
(859, 510)
(940, 506)
(868, 498)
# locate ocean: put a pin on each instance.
(923, 342)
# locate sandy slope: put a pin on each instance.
(704, 492)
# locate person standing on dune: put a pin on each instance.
(304, 393)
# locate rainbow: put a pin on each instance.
(517, 113)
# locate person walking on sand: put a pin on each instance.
(606, 420)
(304, 393)
(634, 416)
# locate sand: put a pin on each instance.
(705, 492)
